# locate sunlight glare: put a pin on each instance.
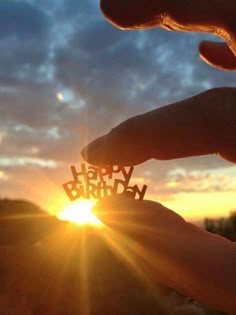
(80, 213)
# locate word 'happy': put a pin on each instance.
(91, 182)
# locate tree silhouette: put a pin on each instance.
(225, 227)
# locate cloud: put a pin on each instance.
(22, 20)
(43, 143)
(24, 40)
(33, 105)
(74, 8)
(179, 180)
(26, 161)
(132, 72)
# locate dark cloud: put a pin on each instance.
(22, 20)
(71, 8)
(90, 42)
(24, 40)
(21, 62)
(33, 105)
(141, 69)
(168, 181)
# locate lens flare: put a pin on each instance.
(80, 213)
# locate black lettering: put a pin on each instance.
(127, 174)
(76, 175)
(119, 186)
(92, 173)
(73, 190)
(91, 190)
(104, 190)
(139, 192)
(104, 172)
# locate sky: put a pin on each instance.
(68, 76)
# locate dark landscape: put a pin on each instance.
(53, 267)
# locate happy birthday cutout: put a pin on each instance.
(96, 182)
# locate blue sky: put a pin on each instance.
(68, 76)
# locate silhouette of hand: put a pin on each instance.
(214, 16)
(203, 124)
(176, 253)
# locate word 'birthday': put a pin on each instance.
(94, 182)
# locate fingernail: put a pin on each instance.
(95, 151)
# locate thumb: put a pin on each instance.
(126, 213)
(218, 55)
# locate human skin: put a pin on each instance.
(214, 16)
(202, 124)
(176, 253)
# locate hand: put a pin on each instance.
(214, 16)
(203, 124)
(176, 253)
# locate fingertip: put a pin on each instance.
(217, 54)
(95, 152)
(124, 146)
(131, 14)
(109, 13)
(117, 13)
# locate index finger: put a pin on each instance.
(203, 124)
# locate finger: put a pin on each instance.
(121, 211)
(145, 221)
(203, 124)
(176, 250)
(192, 16)
(133, 14)
(217, 55)
(182, 15)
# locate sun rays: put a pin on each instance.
(80, 213)
(85, 257)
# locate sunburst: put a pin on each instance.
(80, 213)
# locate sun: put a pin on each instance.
(80, 213)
